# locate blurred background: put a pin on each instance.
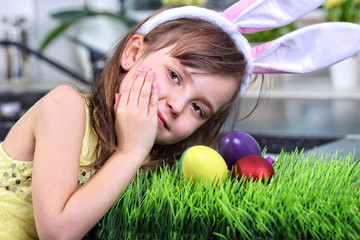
(47, 43)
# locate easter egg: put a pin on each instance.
(254, 166)
(236, 144)
(181, 159)
(202, 161)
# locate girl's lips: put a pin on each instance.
(162, 120)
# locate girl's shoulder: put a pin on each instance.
(65, 98)
(63, 105)
(62, 110)
(64, 94)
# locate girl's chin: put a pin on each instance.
(165, 138)
(162, 141)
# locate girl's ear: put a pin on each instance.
(132, 51)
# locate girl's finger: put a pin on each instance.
(136, 88)
(145, 93)
(117, 100)
(127, 81)
(126, 91)
(154, 100)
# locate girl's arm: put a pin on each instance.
(62, 211)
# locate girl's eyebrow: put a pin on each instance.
(183, 69)
(210, 106)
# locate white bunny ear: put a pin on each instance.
(307, 49)
(250, 16)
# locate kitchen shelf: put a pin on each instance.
(29, 86)
(310, 86)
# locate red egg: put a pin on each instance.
(254, 166)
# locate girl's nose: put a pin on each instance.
(176, 104)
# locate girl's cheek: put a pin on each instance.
(188, 128)
(159, 86)
(124, 80)
(122, 84)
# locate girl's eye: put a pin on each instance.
(174, 76)
(198, 109)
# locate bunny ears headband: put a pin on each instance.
(304, 50)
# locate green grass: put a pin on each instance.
(306, 199)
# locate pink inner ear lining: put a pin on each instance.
(257, 50)
(252, 30)
(250, 16)
(233, 11)
(261, 70)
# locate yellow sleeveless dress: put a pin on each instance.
(16, 210)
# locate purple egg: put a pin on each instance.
(237, 144)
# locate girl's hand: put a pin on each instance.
(136, 113)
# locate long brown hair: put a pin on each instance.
(196, 43)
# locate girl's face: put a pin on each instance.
(188, 97)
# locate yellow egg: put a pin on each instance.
(202, 161)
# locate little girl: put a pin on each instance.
(171, 83)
